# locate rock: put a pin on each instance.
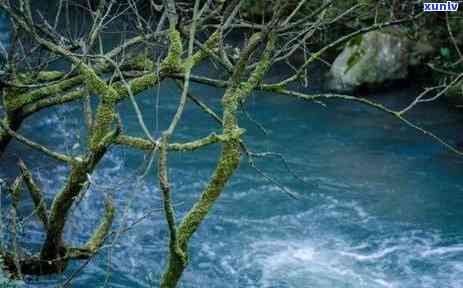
(370, 60)
(420, 51)
(455, 94)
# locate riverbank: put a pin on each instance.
(427, 49)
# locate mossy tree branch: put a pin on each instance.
(36, 146)
(36, 194)
(229, 159)
(147, 145)
(99, 236)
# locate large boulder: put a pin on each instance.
(370, 60)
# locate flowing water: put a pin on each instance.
(379, 204)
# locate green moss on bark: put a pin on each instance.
(19, 100)
(172, 63)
